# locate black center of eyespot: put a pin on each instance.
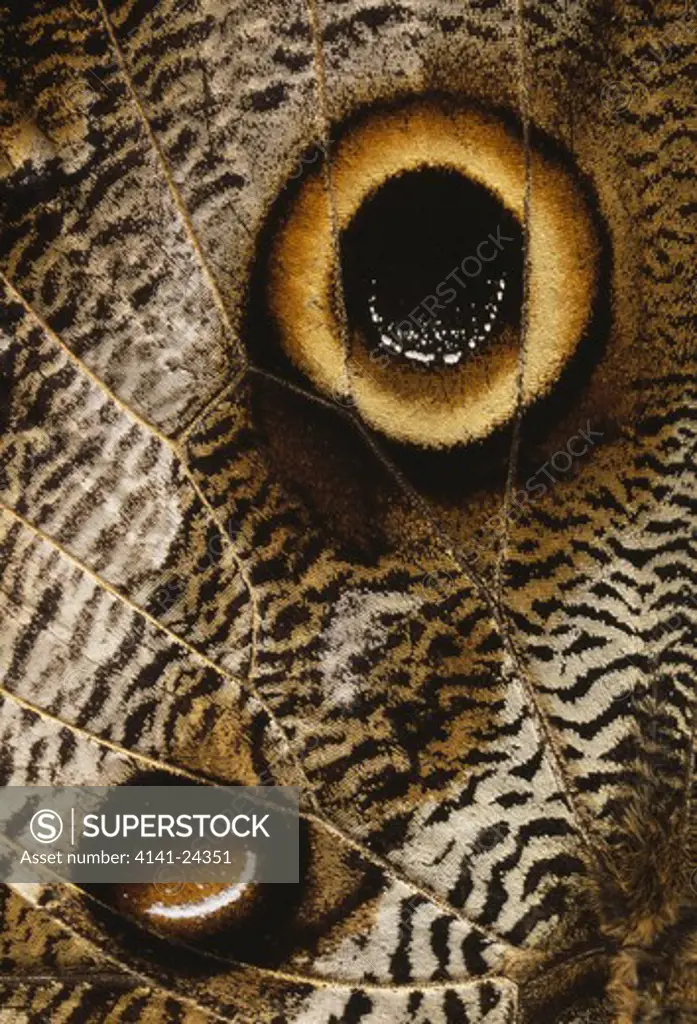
(432, 267)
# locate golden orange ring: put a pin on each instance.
(453, 405)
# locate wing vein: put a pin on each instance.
(178, 453)
(491, 598)
(321, 814)
(562, 776)
(316, 982)
(169, 179)
(524, 100)
(101, 741)
(101, 952)
(141, 612)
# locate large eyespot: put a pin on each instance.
(435, 219)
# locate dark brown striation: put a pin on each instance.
(478, 660)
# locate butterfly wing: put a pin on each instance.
(213, 573)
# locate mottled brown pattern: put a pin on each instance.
(477, 662)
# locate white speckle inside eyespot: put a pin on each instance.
(413, 285)
(414, 340)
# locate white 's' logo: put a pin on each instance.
(46, 826)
